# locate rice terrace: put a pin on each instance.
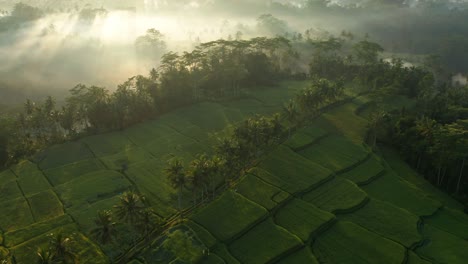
(257, 142)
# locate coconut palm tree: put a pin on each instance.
(147, 222)
(290, 113)
(44, 256)
(129, 207)
(198, 175)
(105, 227)
(176, 175)
(61, 248)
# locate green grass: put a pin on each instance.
(212, 259)
(60, 155)
(302, 219)
(45, 205)
(451, 221)
(413, 258)
(304, 256)
(143, 133)
(107, 144)
(15, 214)
(84, 217)
(261, 192)
(203, 235)
(63, 174)
(263, 243)
(9, 189)
(126, 157)
(30, 179)
(335, 153)
(387, 220)
(224, 224)
(345, 121)
(305, 136)
(443, 247)
(151, 181)
(278, 95)
(222, 251)
(337, 195)
(392, 189)
(183, 126)
(22, 235)
(297, 172)
(346, 242)
(365, 172)
(92, 187)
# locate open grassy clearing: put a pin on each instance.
(22, 235)
(443, 247)
(337, 195)
(30, 179)
(45, 205)
(300, 257)
(141, 134)
(261, 192)
(224, 224)
(222, 251)
(335, 153)
(346, 242)
(299, 173)
(8, 187)
(107, 144)
(125, 158)
(202, 234)
(278, 95)
(92, 187)
(305, 136)
(15, 214)
(451, 221)
(263, 243)
(365, 172)
(63, 174)
(63, 154)
(387, 220)
(413, 258)
(393, 189)
(302, 218)
(345, 121)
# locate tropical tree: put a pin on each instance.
(198, 175)
(177, 177)
(44, 256)
(105, 227)
(61, 248)
(129, 208)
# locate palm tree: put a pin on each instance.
(105, 227)
(60, 246)
(198, 175)
(290, 114)
(147, 222)
(177, 178)
(44, 256)
(129, 207)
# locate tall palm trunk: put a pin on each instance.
(460, 176)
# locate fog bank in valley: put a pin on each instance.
(47, 47)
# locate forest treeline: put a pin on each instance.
(226, 69)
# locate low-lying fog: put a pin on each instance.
(104, 42)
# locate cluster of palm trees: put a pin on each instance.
(213, 70)
(233, 156)
(132, 211)
(59, 251)
(322, 92)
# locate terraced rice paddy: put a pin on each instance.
(319, 197)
